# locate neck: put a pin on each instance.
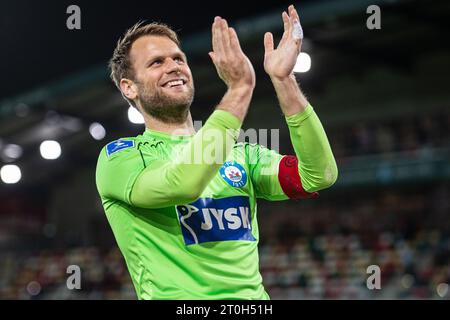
(183, 128)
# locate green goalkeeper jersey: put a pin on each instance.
(188, 229)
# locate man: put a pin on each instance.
(186, 227)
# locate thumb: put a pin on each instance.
(268, 42)
(212, 56)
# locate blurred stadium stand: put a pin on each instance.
(310, 251)
(383, 99)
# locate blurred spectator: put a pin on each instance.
(403, 134)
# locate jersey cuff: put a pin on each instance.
(224, 119)
(296, 119)
(227, 119)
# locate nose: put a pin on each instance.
(172, 66)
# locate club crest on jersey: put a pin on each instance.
(209, 219)
(233, 174)
(118, 145)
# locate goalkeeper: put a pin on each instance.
(187, 226)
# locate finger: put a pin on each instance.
(268, 42)
(285, 17)
(291, 11)
(219, 36)
(215, 40)
(295, 14)
(291, 25)
(225, 36)
(234, 40)
(297, 31)
(212, 56)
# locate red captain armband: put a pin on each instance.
(290, 179)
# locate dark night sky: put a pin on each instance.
(36, 47)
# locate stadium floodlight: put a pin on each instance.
(10, 173)
(13, 151)
(135, 116)
(97, 131)
(50, 149)
(303, 63)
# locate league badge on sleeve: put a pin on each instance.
(233, 174)
(118, 145)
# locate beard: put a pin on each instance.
(165, 108)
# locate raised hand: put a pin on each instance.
(232, 65)
(279, 63)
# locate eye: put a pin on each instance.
(156, 62)
(179, 60)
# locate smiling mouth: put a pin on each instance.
(174, 83)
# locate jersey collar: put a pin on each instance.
(148, 133)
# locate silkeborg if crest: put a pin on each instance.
(234, 174)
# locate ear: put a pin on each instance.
(128, 88)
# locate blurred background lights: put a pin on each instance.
(135, 116)
(10, 173)
(407, 281)
(303, 63)
(22, 110)
(34, 288)
(50, 149)
(97, 131)
(13, 151)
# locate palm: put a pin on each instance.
(280, 62)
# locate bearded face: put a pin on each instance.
(165, 88)
(170, 103)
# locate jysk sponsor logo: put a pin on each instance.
(234, 174)
(118, 145)
(208, 219)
